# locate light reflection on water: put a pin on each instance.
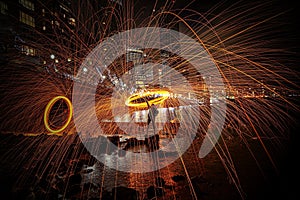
(107, 178)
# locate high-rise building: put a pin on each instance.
(57, 35)
(18, 25)
(52, 34)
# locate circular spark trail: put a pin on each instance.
(48, 109)
(139, 99)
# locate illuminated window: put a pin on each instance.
(139, 82)
(28, 50)
(27, 4)
(64, 8)
(27, 19)
(57, 23)
(72, 21)
(44, 28)
(3, 8)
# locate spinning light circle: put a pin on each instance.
(48, 109)
(153, 97)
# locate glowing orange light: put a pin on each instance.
(153, 97)
(47, 111)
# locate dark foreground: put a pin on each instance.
(53, 167)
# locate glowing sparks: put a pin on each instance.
(258, 85)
